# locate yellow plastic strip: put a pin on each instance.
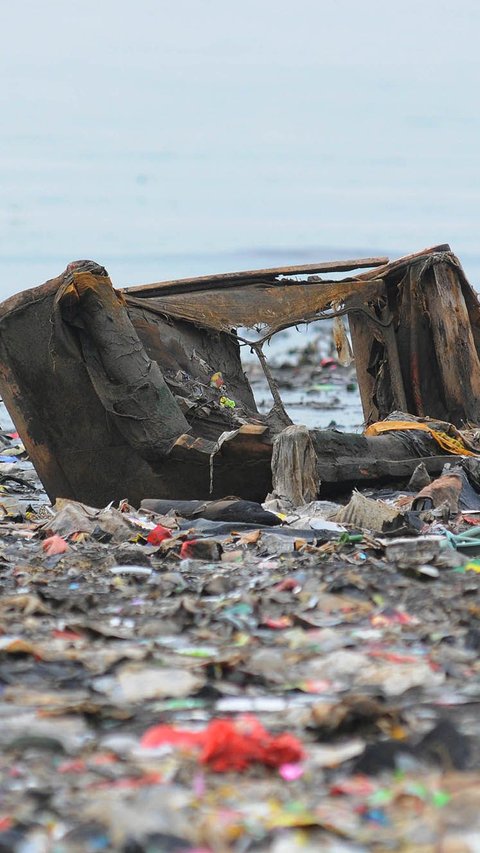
(446, 442)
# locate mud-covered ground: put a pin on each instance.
(262, 690)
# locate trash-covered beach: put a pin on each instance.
(219, 674)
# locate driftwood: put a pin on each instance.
(346, 461)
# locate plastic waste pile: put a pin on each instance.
(211, 676)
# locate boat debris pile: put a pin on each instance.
(146, 388)
(220, 631)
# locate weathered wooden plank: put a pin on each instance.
(252, 276)
(457, 356)
(405, 261)
(346, 461)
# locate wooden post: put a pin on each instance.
(454, 344)
(294, 466)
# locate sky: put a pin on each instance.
(165, 139)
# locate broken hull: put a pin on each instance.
(420, 354)
(110, 391)
(77, 447)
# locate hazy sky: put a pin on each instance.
(168, 138)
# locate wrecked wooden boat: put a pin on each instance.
(141, 392)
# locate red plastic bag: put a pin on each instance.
(229, 744)
(158, 534)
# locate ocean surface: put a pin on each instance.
(166, 139)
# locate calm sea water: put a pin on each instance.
(167, 138)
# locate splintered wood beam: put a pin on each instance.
(253, 276)
(404, 262)
(452, 334)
